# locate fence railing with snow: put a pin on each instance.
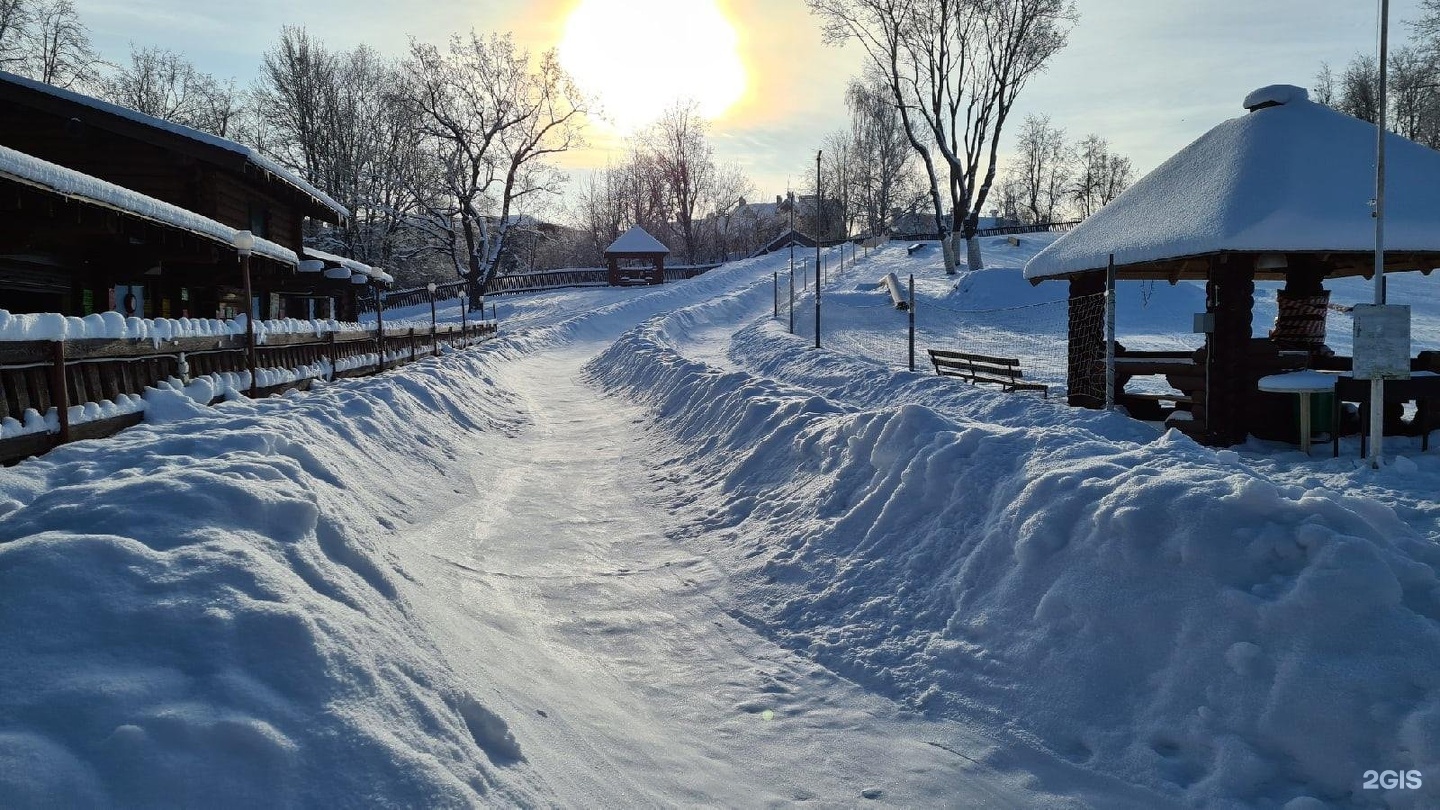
(522, 282)
(64, 379)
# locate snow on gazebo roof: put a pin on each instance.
(32, 171)
(1289, 176)
(637, 240)
(252, 156)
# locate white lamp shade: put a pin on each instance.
(243, 241)
(310, 266)
(431, 287)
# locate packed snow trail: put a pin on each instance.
(615, 656)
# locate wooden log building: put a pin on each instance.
(108, 209)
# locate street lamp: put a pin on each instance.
(434, 344)
(244, 243)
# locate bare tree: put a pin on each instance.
(490, 118)
(16, 17)
(682, 155)
(1042, 169)
(1099, 175)
(882, 178)
(955, 68)
(886, 30)
(59, 48)
(164, 84)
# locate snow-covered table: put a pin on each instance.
(1303, 384)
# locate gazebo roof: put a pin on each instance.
(637, 241)
(1291, 176)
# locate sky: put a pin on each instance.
(1148, 76)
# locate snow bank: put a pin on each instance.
(198, 612)
(1141, 606)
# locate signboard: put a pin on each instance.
(1382, 342)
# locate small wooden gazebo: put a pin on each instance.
(636, 246)
(1283, 193)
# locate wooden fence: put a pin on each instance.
(46, 375)
(523, 282)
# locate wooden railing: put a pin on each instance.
(1039, 227)
(523, 282)
(50, 377)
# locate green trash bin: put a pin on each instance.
(1322, 413)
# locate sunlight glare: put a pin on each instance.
(640, 56)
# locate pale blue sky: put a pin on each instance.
(1149, 75)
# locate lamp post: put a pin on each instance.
(434, 343)
(819, 234)
(244, 243)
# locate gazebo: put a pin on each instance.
(636, 245)
(1283, 193)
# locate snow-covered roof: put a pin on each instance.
(33, 171)
(260, 161)
(1289, 176)
(349, 264)
(637, 240)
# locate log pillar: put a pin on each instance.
(1085, 365)
(1230, 298)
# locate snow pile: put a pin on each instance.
(1273, 644)
(198, 611)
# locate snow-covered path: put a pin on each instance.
(616, 657)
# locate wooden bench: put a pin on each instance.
(977, 368)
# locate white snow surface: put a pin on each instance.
(253, 156)
(637, 240)
(1293, 177)
(647, 548)
(33, 171)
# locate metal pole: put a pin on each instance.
(820, 228)
(792, 294)
(1377, 386)
(912, 321)
(1110, 334)
(775, 290)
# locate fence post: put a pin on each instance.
(330, 350)
(60, 393)
(912, 321)
(1110, 334)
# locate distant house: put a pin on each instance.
(106, 208)
(920, 225)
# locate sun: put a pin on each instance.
(640, 56)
